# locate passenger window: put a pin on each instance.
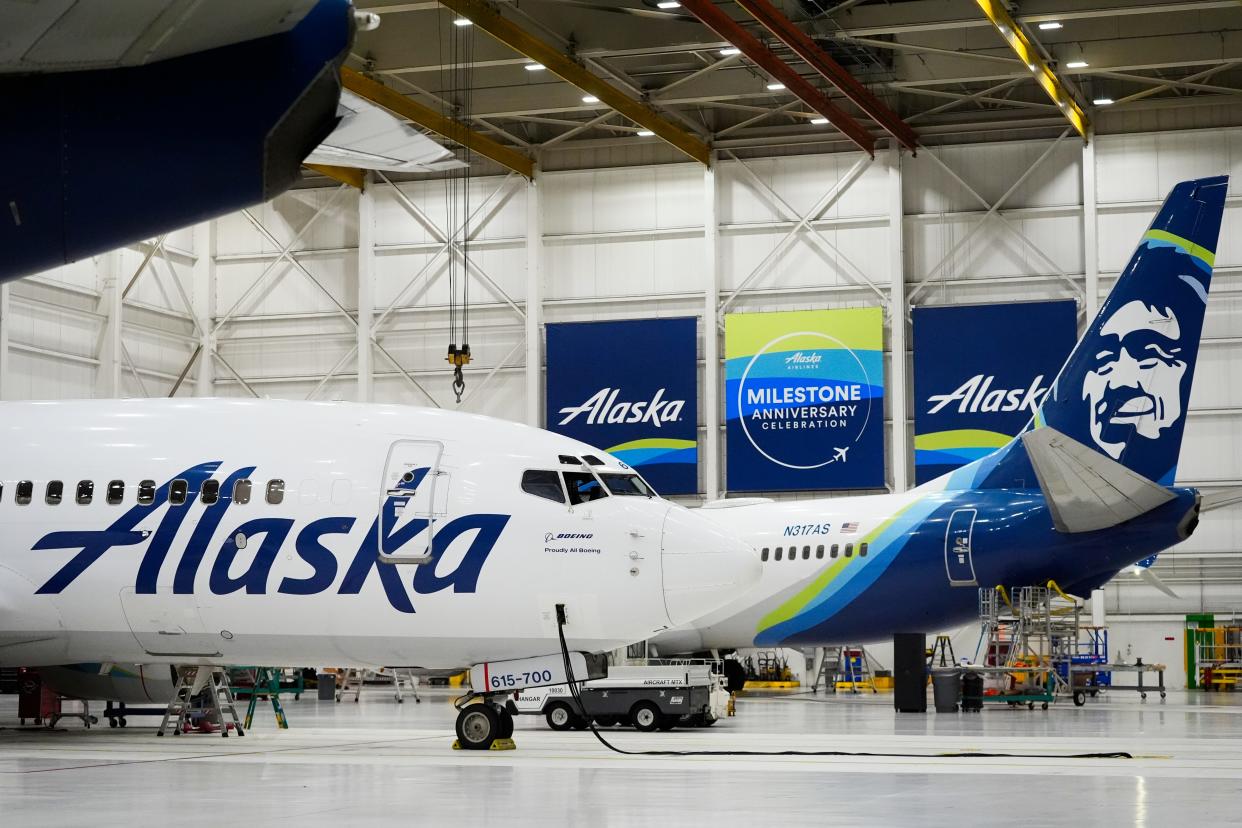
(583, 488)
(25, 491)
(849, 550)
(806, 553)
(86, 491)
(275, 492)
(763, 556)
(819, 551)
(116, 492)
(241, 491)
(211, 491)
(862, 550)
(779, 550)
(545, 484)
(835, 547)
(55, 492)
(177, 491)
(146, 492)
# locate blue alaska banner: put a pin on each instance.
(630, 388)
(980, 373)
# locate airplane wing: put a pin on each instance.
(1087, 490)
(66, 35)
(370, 138)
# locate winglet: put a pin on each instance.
(1087, 491)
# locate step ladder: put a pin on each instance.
(267, 682)
(353, 678)
(845, 665)
(399, 677)
(212, 683)
(942, 649)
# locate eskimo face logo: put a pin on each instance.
(1135, 383)
(803, 396)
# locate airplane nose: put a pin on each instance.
(704, 565)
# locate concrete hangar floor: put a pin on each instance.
(351, 764)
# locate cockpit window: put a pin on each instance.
(583, 487)
(592, 460)
(568, 460)
(545, 484)
(626, 485)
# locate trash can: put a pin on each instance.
(327, 687)
(946, 688)
(972, 691)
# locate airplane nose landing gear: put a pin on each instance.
(484, 725)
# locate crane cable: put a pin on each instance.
(458, 103)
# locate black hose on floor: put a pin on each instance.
(574, 691)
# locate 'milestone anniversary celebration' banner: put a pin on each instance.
(804, 399)
(980, 371)
(629, 388)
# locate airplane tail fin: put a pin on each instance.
(1125, 389)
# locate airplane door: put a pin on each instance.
(957, 553)
(413, 496)
(169, 625)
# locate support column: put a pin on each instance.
(711, 335)
(6, 320)
(897, 313)
(204, 298)
(534, 302)
(1090, 229)
(366, 291)
(111, 303)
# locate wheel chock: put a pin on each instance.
(499, 744)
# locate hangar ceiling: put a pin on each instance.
(941, 65)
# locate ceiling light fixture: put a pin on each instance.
(819, 121)
(1050, 26)
(730, 51)
(534, 67)
(590, 99)
(1077, 64)
(668, 4)
(463, 21)
(775, 87)
(1102, 101)
(645, 133)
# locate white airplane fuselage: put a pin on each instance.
(294, 576)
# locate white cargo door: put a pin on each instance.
(169, 625)
(413, 495)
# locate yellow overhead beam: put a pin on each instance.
(1044, 75)
(425, 116)
(489, 20)
(346, 175)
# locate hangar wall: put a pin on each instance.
(266, 301)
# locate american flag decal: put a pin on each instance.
(849, 528)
